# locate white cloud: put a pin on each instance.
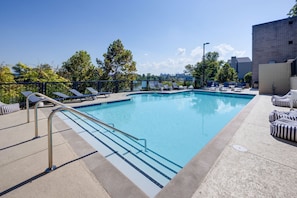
(176, 63)
(181, 51)
(198, 51)
(223, 49)
(226, 51)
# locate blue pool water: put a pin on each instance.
(176, 126)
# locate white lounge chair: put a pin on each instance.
(283, 101)
(276, 115)
(8, 108)
(284, 128)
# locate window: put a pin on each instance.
(290, 22)
(290, 42)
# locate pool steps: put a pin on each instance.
(116, 147)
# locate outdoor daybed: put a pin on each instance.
(8, 108)
(284, 128)
(275, 115)
(284, 101)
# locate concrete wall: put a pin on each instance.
(293, 83)
(244, 68)
(274, 41)
(274, 76)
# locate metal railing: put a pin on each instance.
(49, 123)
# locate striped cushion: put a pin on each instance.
(275, 115)
(285, 129)
(9, 108)
(284, 102)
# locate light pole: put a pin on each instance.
(203, 62)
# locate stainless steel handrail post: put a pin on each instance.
(46, 98)
(50, 142)
(36, 118)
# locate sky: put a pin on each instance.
(163, 35)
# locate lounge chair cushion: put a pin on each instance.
(33, 98)
(275, 115)
(8, 108)
(283, 101)
(285, 129)
(97, 93)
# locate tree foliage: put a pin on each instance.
(10, 92)
(41, 73)
(5, 75)
(293, 11)
(118, 63)
(209, 68)
(79, 67)
(248, 78)
(226, 74)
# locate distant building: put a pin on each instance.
(273, 42)
(242, 65)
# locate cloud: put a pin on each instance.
(226, 51)
(181, 51)
(177, 62)
(198, 51)
(223, 49)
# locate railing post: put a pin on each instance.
(27, 107)
(50, 142)
(36, 118)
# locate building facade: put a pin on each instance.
(273, 42)
(242, 65)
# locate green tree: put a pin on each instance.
(7, 91)
(79, 67)
(212, 65)
(248, 78)
(208, 68)
(118, 63)
(5, 75)
(226, 74)
(41, 73)
(293, 11)
(189, 69)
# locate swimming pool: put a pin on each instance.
(176, 126)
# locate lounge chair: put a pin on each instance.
(284, 128)
(97, 93)
(275, 115)
(62, 97)
(175, 86)
(8, 108)
(166, 87)
(153, 85)
(283, 101)
(33, 98)
(78, 94)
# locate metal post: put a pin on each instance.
(50, 142)
(203, 63)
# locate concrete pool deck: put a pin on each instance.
(267, 168)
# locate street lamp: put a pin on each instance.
(203, 62)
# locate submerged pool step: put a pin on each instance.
(155, 167)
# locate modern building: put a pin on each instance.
(273, 42)
(242, 65)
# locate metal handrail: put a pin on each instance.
(64, 107)
(49, 122)
(45, 98)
